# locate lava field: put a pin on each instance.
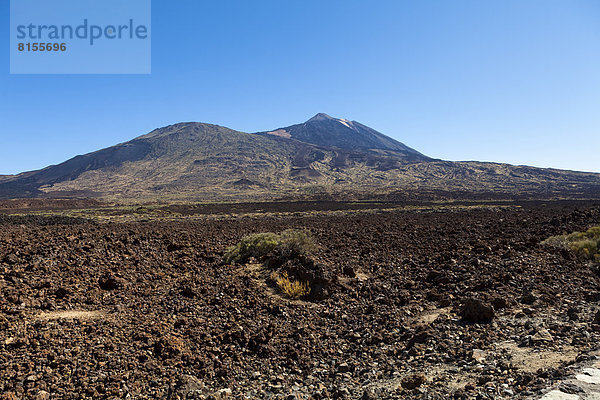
(432, 303)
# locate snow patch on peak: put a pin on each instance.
(346, 123)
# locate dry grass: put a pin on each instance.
(291, 288)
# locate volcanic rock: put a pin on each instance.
(474, 310)
(11, 259)
(541, 336)
(61, 293)
(413, 381)
(500, 303)
(109, 282)
(528, 298)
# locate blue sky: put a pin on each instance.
(507, 80)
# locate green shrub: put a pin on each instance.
(594, 232)
(585, 244)
(295, 243)
(258, 246)
(289, 244)
(556, 242)
(587, 248)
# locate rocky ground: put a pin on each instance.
(582, 384)
(432, 304)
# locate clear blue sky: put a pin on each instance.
(514, 81)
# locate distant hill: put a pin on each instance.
(324, 156)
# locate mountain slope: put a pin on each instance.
(323, 130)
(347, 160)
(170, 156)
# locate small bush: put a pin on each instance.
(584, 244)
(289, 244)
(292, 289)
(556, 242)
(287, 257)
(587, 248)
(258, 246)
(294, 243)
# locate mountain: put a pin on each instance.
(324, 156)
(185, 155)
(323, 130)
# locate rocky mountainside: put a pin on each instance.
(323, 157)
(323, 130)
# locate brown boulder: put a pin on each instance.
(109, 282)
(474, 310)
(413, 381)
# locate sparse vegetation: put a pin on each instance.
(289, 244)
(376, 288)
(291, 288)
(282, 254)
(258, 246)
(585, 244)
(295, 243)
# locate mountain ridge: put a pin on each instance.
(322, 156)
